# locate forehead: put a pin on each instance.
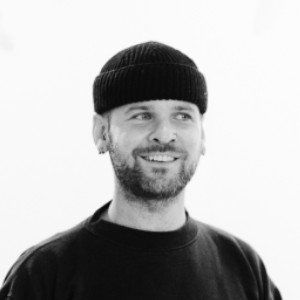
(159, 105)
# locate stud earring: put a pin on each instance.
(100, 147)
(101, 151)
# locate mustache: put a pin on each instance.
(158, 148)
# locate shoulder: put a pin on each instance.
(59, 251)
(235, 255)
(223, 238)
(46, 254)
(230, 249)
(35, 271)
(228, 243)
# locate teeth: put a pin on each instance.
(160, 158)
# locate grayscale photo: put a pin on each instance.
(149, 150)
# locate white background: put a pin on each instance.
(248, 183)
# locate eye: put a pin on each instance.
(142, 116)
(183, 117)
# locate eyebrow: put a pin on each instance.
(138, 107)
(181, 108)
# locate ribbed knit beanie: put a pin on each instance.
(149, 71)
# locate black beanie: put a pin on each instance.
(149, 71)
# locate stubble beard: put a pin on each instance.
(158, 188)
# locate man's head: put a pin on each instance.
(149, 102)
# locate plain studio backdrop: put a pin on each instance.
(51, 176)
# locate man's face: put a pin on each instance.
(155, 147)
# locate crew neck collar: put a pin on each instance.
(141, 239)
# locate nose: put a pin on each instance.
(163, 133)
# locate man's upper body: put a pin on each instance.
(149, 102)
(102, 260)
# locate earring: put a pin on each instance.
(101, 151)
(101, 148)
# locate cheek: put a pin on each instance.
(193, 144)
(124, 140)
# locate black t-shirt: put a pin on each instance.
(99, 260)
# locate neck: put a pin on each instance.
(148, 215)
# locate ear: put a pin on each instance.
(203, 148)
(100, 133)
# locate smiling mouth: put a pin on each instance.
(159, 158)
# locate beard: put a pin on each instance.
(158, 186)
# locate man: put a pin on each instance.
(149, 101)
